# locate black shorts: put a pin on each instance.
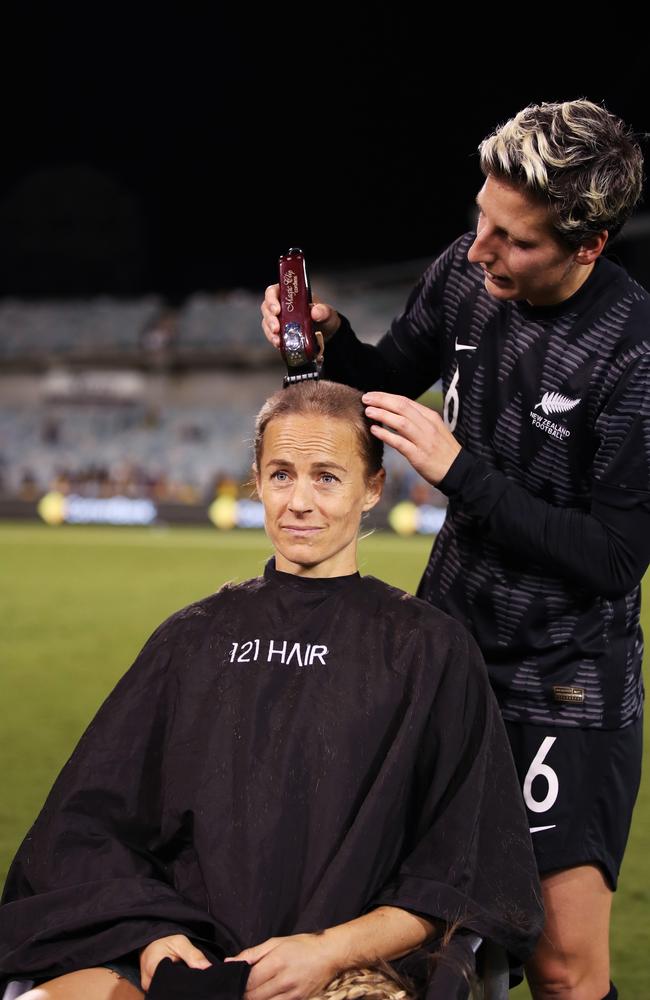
(127, 968)
(579, 787)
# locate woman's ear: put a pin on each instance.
(591, 248)
(256, 476)
(374, 489)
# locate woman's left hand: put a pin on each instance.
(297, 967)
(177, 947)
(422, 435)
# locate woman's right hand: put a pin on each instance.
(325, 319)
(177, 947)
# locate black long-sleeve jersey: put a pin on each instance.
(283, 756)
(547, 533)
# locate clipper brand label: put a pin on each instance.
(291, 289)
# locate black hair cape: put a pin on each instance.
(282, 756)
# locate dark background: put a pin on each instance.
(183, 148)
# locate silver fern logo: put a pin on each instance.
(555, 402)
(550, 404)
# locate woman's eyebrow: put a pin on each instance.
(328, 465)
(286, 463)
(518, 239)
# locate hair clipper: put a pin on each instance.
(300, 345)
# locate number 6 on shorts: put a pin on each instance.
(539, 769)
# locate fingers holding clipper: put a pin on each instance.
(325, 318)
(270, 310)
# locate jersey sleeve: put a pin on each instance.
(471, 861)
(88, 883)
(406, 360)
(605, 549)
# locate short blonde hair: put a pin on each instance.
(575, 155)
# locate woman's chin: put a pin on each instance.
(299, 553)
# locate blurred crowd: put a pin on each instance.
(115, 398)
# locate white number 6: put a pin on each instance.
(452, 402)
(539, 769)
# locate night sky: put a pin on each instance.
(177, 149)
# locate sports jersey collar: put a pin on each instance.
(603, 272)
(309, 584)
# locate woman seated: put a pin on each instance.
(305, 772)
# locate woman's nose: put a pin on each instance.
(481, 249)
(301, 499)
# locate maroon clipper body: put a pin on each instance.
(298, 344)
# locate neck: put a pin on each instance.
(341, 564)
(575, 280)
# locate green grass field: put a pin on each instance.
(78, 603)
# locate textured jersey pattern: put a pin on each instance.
(557, 399)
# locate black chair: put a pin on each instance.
(468, 959)
(16, 988)
(493, 968)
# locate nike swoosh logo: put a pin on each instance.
(536, 829)
(463, 347)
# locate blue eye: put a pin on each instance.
(280, 475)
(329, 477)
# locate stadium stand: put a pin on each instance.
(151, 398)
